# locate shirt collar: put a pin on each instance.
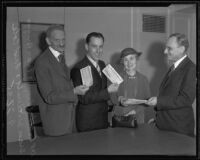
(54, 52)
(92, 61)
(179, 61)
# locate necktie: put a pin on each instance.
(169, 72)
(61, 58)
(98, 69)
(171, 69)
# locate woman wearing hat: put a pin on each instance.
(134, 86)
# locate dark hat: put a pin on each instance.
(127, 51)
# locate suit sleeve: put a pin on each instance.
(114, 97)
(147, 92)
(147, 88)
(49, 94)
(185, 96)
(91, 96)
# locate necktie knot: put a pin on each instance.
(61, 58)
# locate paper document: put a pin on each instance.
(86, 76)
(135, 101)
(112, 75)
(133, 112)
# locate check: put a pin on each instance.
(135, 101)
(112, 75)
(86, 76)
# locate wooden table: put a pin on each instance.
(144, 140)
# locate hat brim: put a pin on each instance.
(138, 54)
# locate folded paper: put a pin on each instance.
(135, 101)
(86, 76)
(112, 75)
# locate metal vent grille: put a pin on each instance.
(154, 23)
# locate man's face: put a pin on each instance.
(57, 40)
(173, 51)
(130, 62)
(95, 48)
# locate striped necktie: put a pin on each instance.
(61, 58)
(98, 68)
(171, 69)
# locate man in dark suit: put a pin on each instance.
(56, 93)
(92, 108)
(177, 92)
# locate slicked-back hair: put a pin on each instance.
(181, 40)
(52, 28)
(94, 34)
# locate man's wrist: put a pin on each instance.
(108, 91)
(74, 90)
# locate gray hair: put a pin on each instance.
(181, 40)
(52, 28)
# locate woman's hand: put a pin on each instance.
(122, 101)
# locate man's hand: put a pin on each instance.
(113, 88)
(81, 90)
(152, 101)
(123, 101)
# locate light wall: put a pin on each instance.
(113, 23)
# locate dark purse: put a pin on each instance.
(129, 121)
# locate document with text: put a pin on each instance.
(86, 76)
(112, 75)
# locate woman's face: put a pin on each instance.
(130, 62)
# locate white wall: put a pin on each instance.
(152, 62)
(113, 23)
(42, 14)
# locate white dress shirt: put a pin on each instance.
(96, 65)
(179, 61)
(54, 52)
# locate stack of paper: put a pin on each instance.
(112, 75)
(86, 76)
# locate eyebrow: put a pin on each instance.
(59, 38)
(96, 45)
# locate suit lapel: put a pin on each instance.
(178, 70)
(58, 67)
(94, 70)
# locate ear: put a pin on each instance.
(182, 49)
(48, 41)
(86, 46)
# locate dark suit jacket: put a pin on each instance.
(92, 108)
(56, 96)
(176, 95)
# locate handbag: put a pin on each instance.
(129, 121)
